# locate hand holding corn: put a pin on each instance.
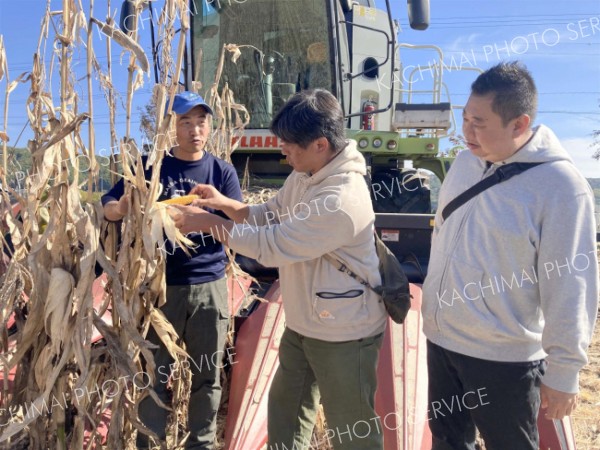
(209, 196)
(193, 219)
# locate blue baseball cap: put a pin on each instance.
(185, 101)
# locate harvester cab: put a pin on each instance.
(347, 47)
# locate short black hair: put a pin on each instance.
(513, 89)
(309, 115)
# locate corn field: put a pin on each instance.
(69, 387)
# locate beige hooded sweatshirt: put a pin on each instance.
(310, 216)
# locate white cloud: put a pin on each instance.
(462, 43)
(581, 152)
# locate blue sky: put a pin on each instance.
(559, 41)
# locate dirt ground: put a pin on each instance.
(586, 418)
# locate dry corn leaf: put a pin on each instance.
(40, 404)
(124, 41)
(167, 334)
(80, 23)
(44, 171)
(13, 84)
(3, 63)
(140, 4)
(139, 80)
(43, 366)
(58, 306)
(235, 52)
(66, 130)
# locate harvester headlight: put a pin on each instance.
(391, 145)
(377, 142)
(363, 143)
(430, 147)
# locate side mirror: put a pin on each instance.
(126, 21)
(418, 14)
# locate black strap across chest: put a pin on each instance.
(501, 174)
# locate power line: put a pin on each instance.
(487, 25)
(517, 17)
(594, 113)
(504, 19)
(507, 21)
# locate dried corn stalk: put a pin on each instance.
(65, 386)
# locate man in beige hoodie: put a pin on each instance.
(334, 325)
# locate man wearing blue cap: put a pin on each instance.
(196, 286)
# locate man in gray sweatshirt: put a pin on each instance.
(511, 296)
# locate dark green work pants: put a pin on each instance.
(343, 375)
(199, 314)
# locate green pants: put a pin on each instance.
(199, 314)
(342, 375)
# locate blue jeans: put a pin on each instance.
(500, 399)
(343, 375)
(199, 313)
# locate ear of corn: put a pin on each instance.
(184, 200)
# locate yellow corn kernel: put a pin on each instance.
(185, 200)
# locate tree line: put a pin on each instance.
(19, 167)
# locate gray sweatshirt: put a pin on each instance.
(513, 274)
(330, 211)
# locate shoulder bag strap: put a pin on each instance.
(501, 174)
(342, 267)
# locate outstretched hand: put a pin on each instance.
(209, 197)
(556, 403)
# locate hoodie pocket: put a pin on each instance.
(339, 308)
